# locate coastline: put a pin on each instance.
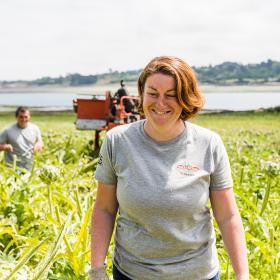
(100, 89)
(132, 88)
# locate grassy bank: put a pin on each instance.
(44, 216)
(229, 120)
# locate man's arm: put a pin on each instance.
(6, 147)
(39, 145)
(228, 218)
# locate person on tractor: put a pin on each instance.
(122, 91)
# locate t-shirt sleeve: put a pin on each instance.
(4, 137)
(221, 177)
(105, 172)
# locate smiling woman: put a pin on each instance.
(159, 173)
(161, 108)
(169, 95)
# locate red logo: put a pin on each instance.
(187, 167)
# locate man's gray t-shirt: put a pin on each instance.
(164, 230)
(23, 141)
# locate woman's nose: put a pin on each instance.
(161, 101)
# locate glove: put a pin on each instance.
(98, 273)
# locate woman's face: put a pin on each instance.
(160, 104)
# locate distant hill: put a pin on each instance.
(227, 73)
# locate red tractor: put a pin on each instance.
(100, 113)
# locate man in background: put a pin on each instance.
(21, 140)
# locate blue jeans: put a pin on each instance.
(216, 277)
(117, 275)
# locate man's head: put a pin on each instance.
(22, 116)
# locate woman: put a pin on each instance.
(159, 173)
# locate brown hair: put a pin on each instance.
(187, 90)
(21, 109)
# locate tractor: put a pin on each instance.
(99, 113)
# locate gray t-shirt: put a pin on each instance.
(23, 141)
(164, 230)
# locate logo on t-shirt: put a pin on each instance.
(187, 169)
(100, 161)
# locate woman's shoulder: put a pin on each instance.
(202, 133)
(125, 129)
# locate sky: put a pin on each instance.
(58, 37)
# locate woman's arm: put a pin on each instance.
(228, 218)
(103, 219)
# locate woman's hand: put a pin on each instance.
(98, 273)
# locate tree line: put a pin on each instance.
(227, 73)
(235, 73)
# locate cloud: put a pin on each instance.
(57, 37)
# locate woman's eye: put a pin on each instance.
(171, 95)
(152, 94)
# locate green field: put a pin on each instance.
(45, 215)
